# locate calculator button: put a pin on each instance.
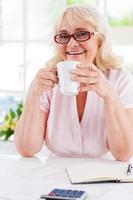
(58, 192)
(79, 194)
(66, 193)
(72, 193)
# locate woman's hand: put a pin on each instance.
(92, 79)
(45, 79)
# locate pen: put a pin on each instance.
(129, 169)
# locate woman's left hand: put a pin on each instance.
(92, 79)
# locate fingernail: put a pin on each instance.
(73, 71)
(73, 77)
(78, 65)
(90, 68)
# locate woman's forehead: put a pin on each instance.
(74, 25)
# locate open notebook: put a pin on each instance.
(100, 171)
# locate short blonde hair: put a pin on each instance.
(77, 14)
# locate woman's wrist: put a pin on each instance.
(111, 98)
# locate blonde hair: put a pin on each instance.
(77, 14)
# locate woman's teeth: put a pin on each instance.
(75, 52)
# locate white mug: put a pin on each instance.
(64, 69)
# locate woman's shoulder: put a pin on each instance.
(120, 74)
(122, 80)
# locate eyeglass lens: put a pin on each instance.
(78, 36)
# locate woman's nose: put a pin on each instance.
(72, 42)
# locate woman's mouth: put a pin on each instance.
(75, 52)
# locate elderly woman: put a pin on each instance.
(100, 118)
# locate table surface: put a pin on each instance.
(27, 178)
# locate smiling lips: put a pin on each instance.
(75, 52)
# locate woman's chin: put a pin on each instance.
(79, 58)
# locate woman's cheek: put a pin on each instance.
(61, 51)
(91, 53)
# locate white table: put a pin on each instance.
(28, 178)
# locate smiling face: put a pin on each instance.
(83, 52)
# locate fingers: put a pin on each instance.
(45, 82)
(46, 78)
(87, 80)
(85, 74)
(88, 77)
(89, 66)
(49, 75)
(88, 71)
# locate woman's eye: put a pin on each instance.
(81, 34)
(63, 36)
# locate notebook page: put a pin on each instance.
(98, 171)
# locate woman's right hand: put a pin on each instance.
(45, 79)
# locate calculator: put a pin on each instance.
(65, 194)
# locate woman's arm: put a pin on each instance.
(30, 130)
(119, 123)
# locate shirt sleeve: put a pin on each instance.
(45, 100)
(125, 90)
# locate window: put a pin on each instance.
(121, 22)
(120, 17)
(25, 33)
(25, 27)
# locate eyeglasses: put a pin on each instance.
(81, 36)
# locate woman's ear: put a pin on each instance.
(100, 40)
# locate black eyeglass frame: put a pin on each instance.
(90, 34)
